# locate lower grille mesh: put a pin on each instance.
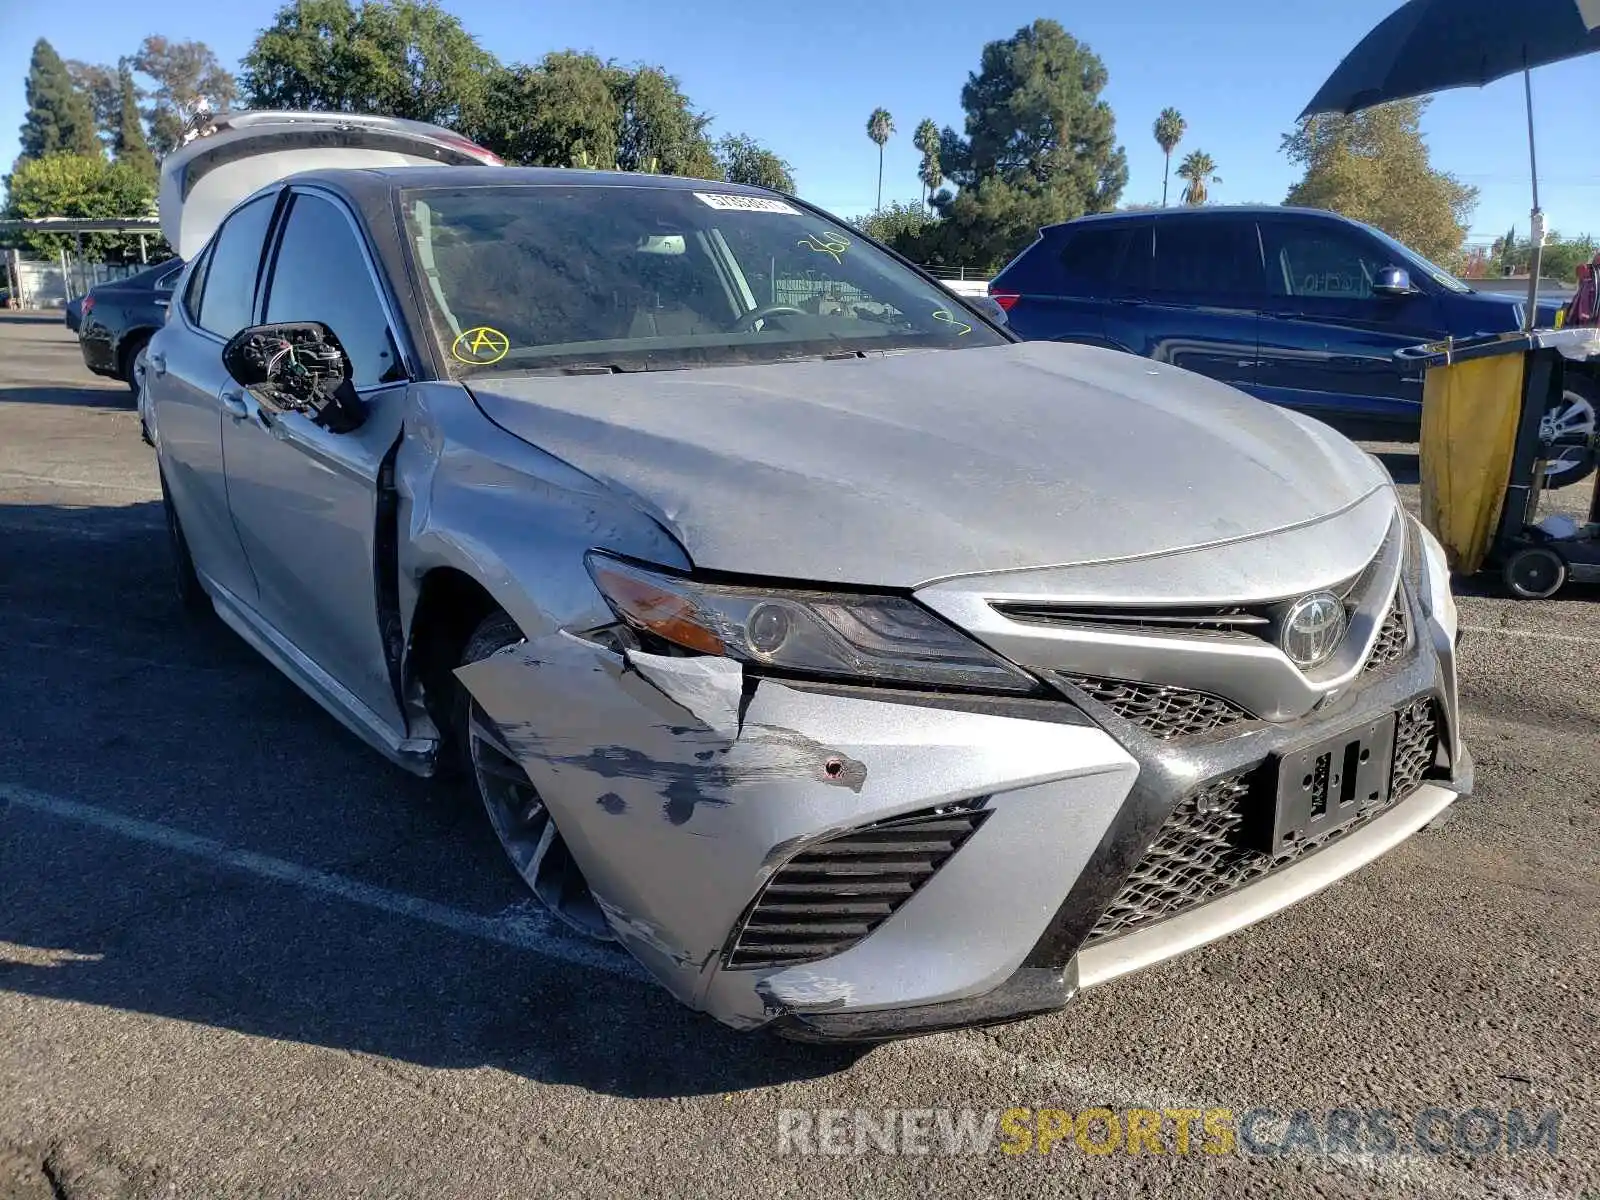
(1416, 741)
(1167, 712)
(833, 893)
(1202, 853)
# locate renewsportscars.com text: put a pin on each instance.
(1260, 1131)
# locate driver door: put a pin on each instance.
(305, 500)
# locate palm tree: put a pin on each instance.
(1198, 170)
(926, 139)
(879, 126)
(1170, 128)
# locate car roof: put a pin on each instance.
(1208, 211)
(373, 185)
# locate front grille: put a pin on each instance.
(833, 893)
(1393, 635)
(1167, 712)
(1233, 621)
(1203, 851)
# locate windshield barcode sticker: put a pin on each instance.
(728, 202)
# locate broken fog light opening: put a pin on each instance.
(837, 634)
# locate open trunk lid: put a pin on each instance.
(241, 152)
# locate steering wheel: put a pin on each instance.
(747, 323)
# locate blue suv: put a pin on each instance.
(1299, 307)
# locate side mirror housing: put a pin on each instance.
(297, 367)
(1394, 281)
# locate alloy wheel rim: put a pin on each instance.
(515, 809)
(1574, 415)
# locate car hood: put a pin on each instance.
(895, 470)
(1498, 312)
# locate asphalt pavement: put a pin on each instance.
(240, 955)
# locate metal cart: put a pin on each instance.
(1484, 446)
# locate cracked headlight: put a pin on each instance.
(886, 639)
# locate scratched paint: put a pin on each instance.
(696, 752)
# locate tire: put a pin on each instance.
(185, 580)
(517, 814)
(130, 361)
(1575, 412)
(1535, 573)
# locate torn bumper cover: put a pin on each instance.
(683, 787)
(858, 863)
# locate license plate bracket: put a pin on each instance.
(1325, 786)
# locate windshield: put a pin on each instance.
(1436, 273)
(627, 277)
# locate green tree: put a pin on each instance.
(1506, 253)
(1040, 147)
(394, 58)
(903, 227)
(128, 141)
(571, 107)
(1199, 170)
(101, 85)
(547, 114)
(63, 184)
(931, 171)
(1169, 130)
(880, 126)
(1373, 166)
(745, 160)
(59, 116)
(660, 130)
(1559, 259)
(185, 74)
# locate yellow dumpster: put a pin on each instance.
(1470, 413)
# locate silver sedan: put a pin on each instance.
(860, 669)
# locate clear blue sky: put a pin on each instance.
(803, 77)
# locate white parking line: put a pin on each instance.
(532, 932)
(1536, 634)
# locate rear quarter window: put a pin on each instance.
(1093, 260)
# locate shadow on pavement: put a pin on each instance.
(150, 720)
(77, 397)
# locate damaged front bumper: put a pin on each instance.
(681, 785)
(983, 839)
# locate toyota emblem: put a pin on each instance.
(1312, 629)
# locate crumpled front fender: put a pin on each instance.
(681, 783)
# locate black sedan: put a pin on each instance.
(118, 318)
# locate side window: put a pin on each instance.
(1091, 261)
(229, 288)
(1207, 257)
(321, 274)
(1319, 262)
(196, 285)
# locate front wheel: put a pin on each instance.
(517, 813)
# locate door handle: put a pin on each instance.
(156, 362)
(232, 400)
